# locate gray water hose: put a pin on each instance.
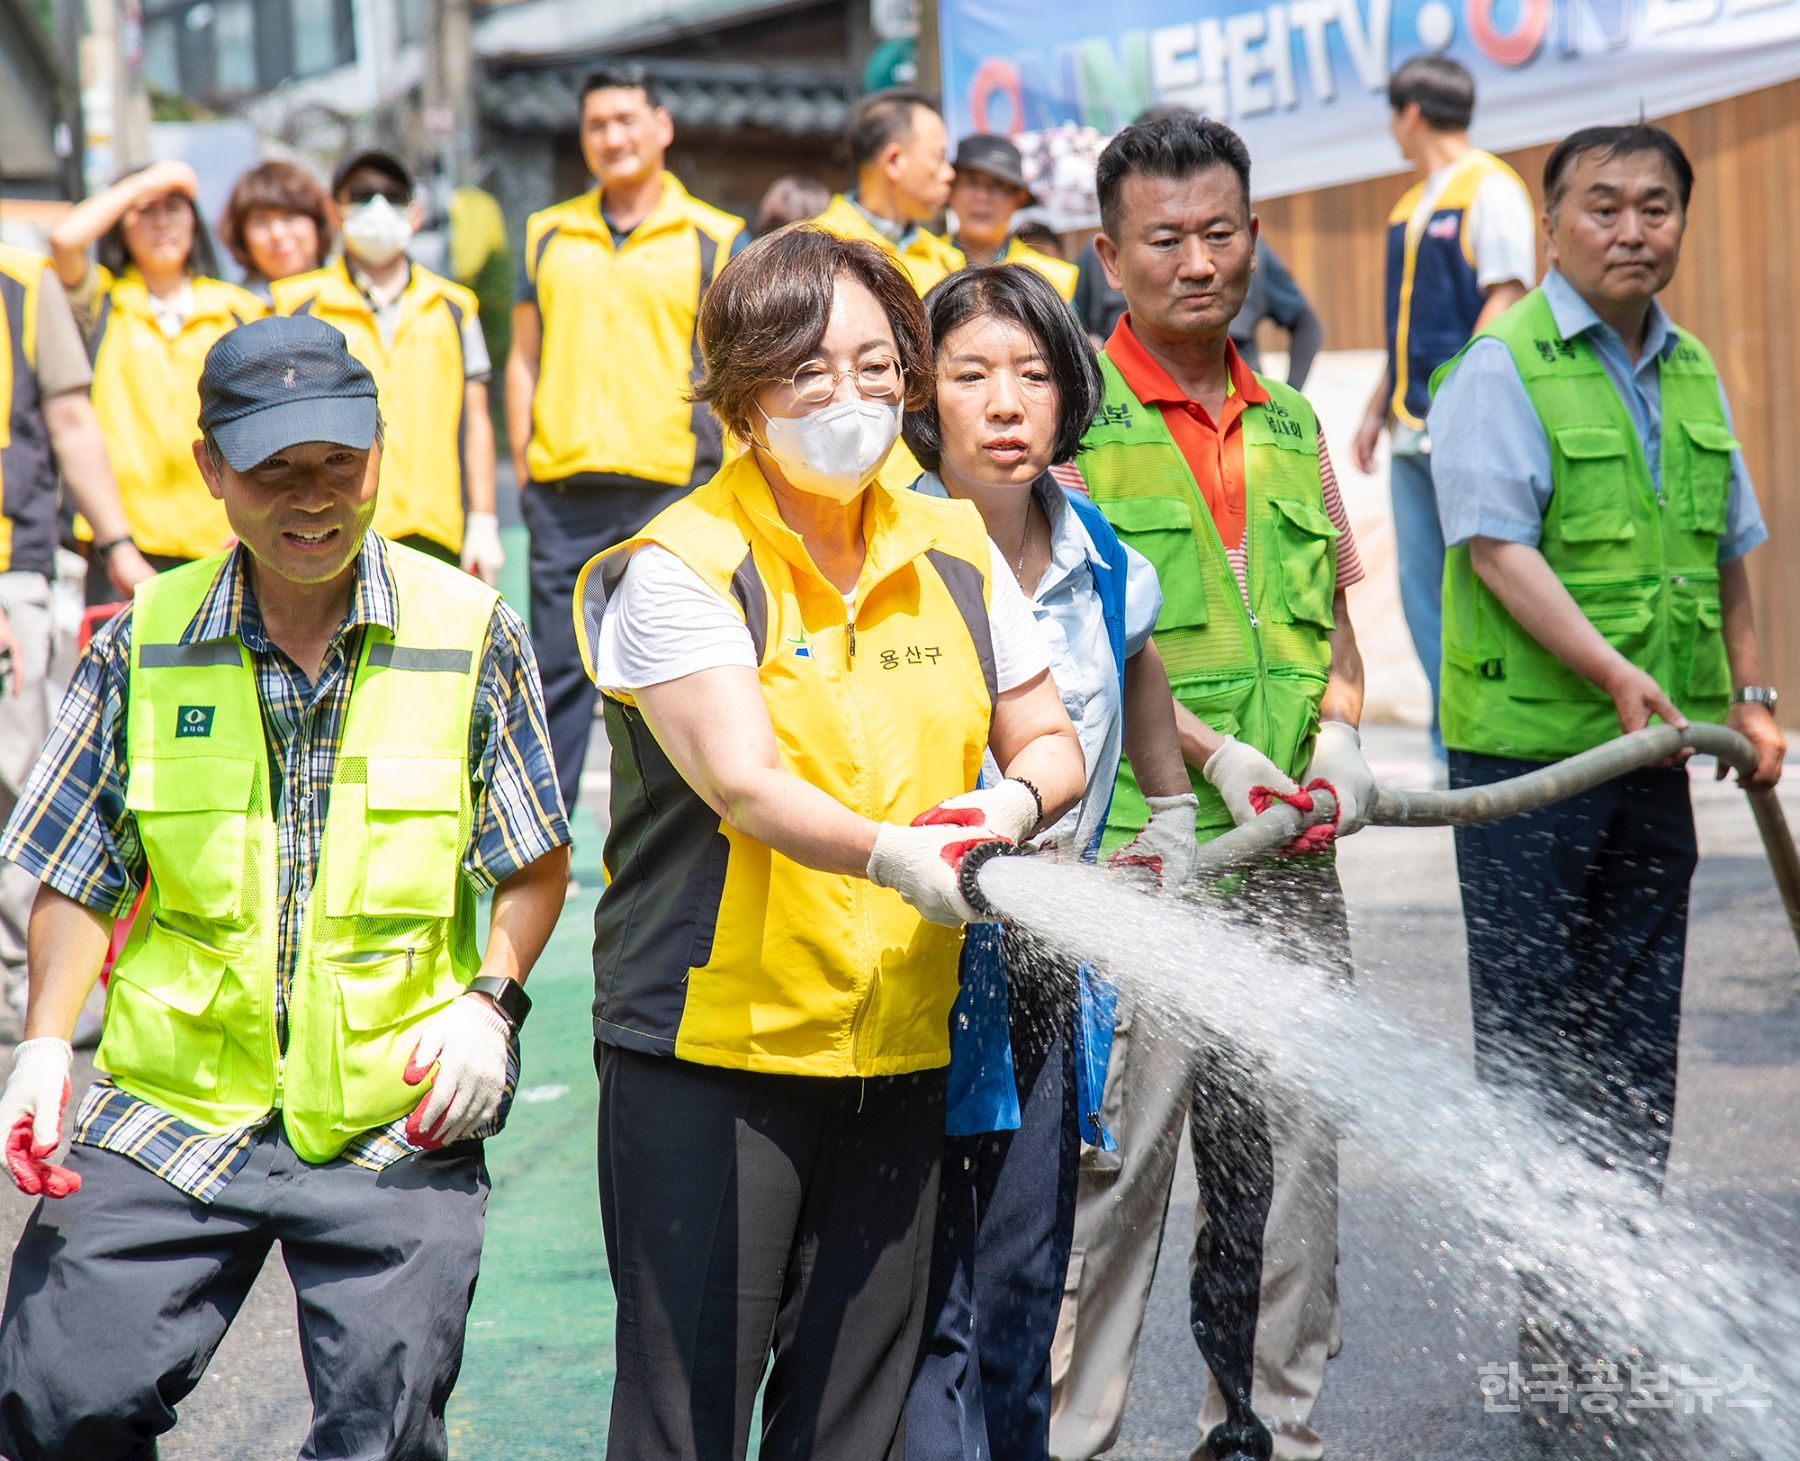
(1279, 825)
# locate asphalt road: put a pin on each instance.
(1405, 1386)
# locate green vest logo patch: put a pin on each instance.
(193, 720)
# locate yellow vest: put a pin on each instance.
(926, 258)
(389, 937)
(421, 380)
(147, 396)
(708, 945)
(28, 528)
(1060, 272)
(619, 346)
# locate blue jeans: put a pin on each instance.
(1419, 545)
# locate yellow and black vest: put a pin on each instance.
(620, 349)
(147, 396)
(708, 945)
(1060, 272)
(1433, 293)
(389, 937)
(27, 469)
(421, 379)
(926, 258)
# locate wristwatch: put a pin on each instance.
(508, 994)
(1763, 695)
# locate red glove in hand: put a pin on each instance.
(922, 862)
(1313, 839)
(31, 1112)
(466, 1042)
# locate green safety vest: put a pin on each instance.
(1257, 675)
(388, 937)
(1641, 563)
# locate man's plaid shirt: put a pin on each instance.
(72, 829)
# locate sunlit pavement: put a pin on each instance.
(536, 1376)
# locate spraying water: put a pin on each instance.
(1654, 1295)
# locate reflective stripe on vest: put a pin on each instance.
(1259, 676)
(1433, 293)
(711, 947)
(28, 527)
(389, 934)
(1642, 564)
(147, 396)
(621, 407)
(421, 378)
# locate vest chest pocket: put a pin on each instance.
(1162, 529)
(1707, 480)
(1709, 674)
(1592, 489)
(193, 818)
(1305, 542)
(415, 836)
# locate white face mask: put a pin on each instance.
(377, 232)
(835, 452)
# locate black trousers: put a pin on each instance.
(570, 521)
(1005, 1222)
(1577, 926)
(752, 1218)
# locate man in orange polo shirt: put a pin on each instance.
(1221, 478)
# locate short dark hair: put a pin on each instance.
(112, 255)
(1018, 293)
(283, 186)
(1173, 146)
(1443, 89)
(620, 76)
(882, 117)
(1616, 142)
(765, 314)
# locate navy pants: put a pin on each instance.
(1577, 927)
(570, 521)
(1005, 1221)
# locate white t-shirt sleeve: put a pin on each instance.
(1020, 653)
(662, 622)
(1503, 232)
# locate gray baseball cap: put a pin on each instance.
(995, 156)
(280, 381)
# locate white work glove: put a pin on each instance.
(31, 1112)
(482, 554)
(467, 1042)
(1166, 846)
(1009, 808)
(921, 863)
(1338, 767)
(1236, 771)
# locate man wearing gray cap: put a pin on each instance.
(989, 191)
(320, 748)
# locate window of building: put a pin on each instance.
(218, 49)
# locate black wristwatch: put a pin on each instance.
(508, 994)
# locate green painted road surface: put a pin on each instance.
(537, 1369)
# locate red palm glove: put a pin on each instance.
(31, 1112)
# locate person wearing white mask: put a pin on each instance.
(801, 671)
(420, 336)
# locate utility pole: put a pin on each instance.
(452, 106)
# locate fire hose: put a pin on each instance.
(1465, 807)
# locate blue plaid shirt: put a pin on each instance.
(72, 829)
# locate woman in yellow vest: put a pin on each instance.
(797, 664)
(151, 307)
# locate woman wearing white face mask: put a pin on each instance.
(797, 664)
(1016, 388)
(420, 336)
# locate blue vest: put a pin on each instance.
(1433, 294)
(983, 1091)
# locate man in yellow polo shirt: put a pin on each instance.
(603, 356)
(989, 191)
(420, 336)
(898, 147)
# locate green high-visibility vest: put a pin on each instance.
(388, 936)
(1257, 673)
(1641, 563)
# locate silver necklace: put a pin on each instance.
(1024, 543)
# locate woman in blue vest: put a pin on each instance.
(1016, 389)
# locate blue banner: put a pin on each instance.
(1305, 80)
